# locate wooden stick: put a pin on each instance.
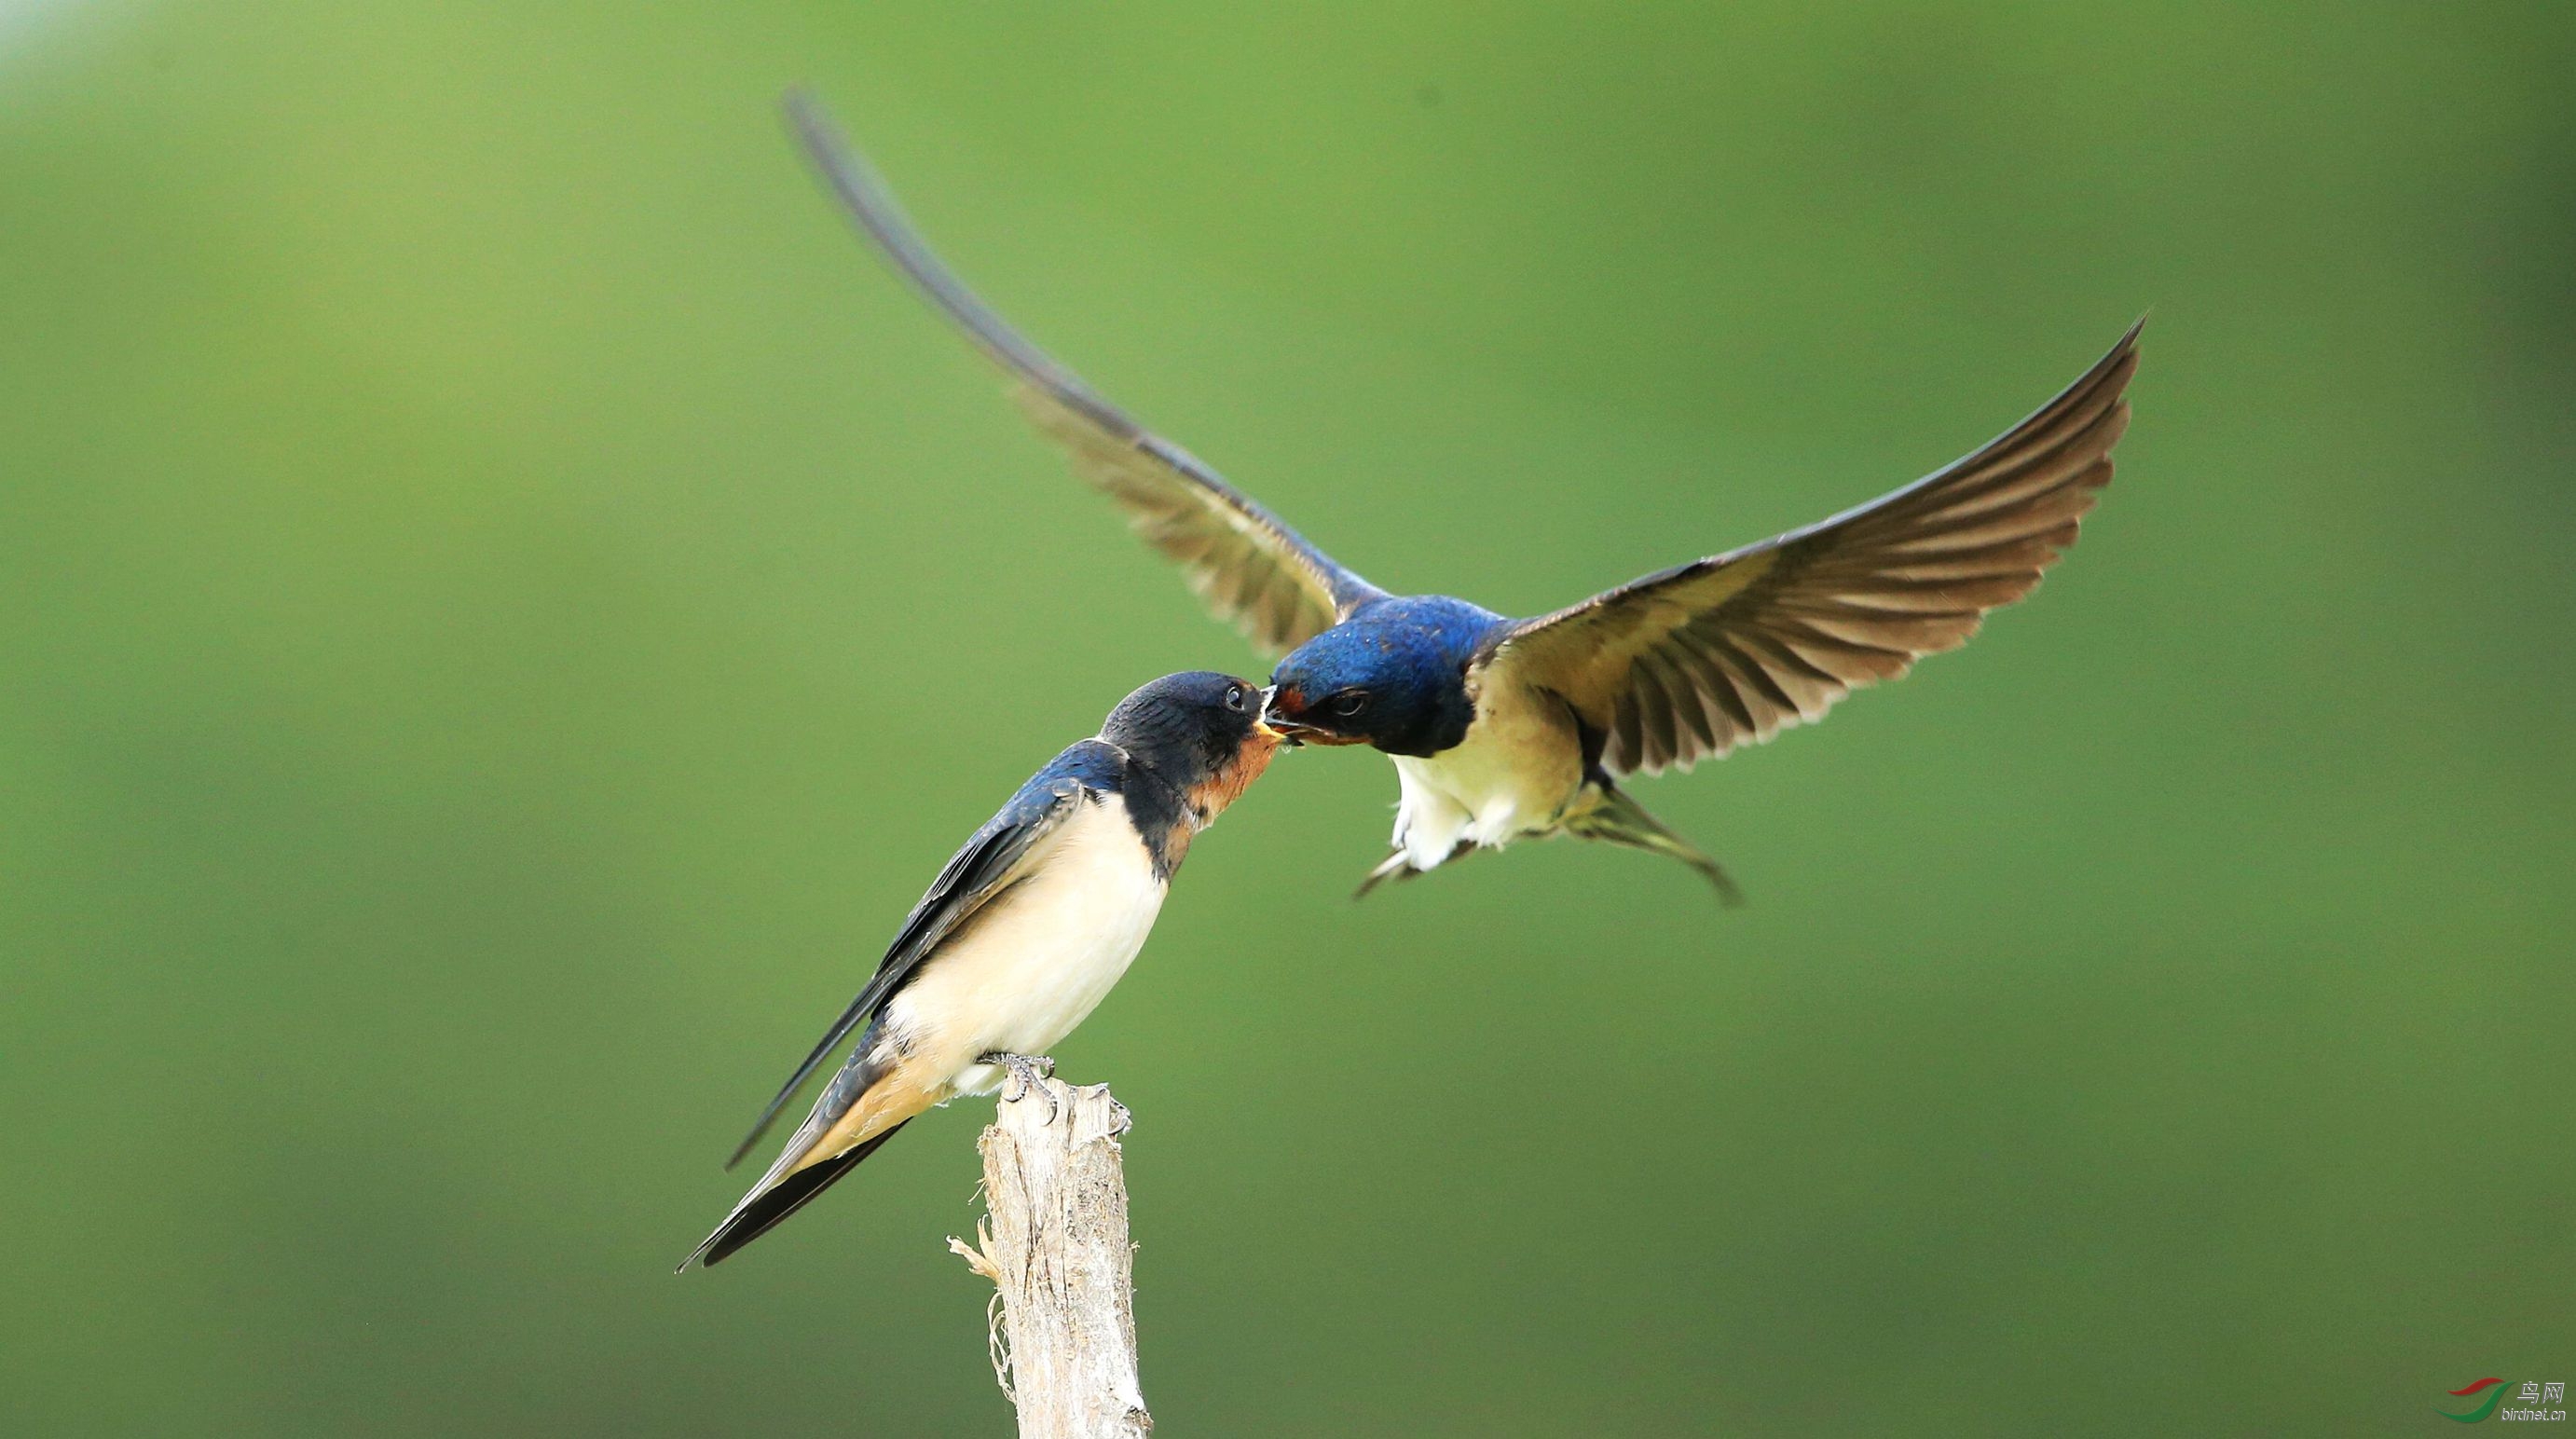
(1055, 1245)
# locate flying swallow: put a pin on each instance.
(1502, 728)
(1020, 936)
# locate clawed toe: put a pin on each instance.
(1028, 1075)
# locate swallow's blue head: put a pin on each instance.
(1393, 675)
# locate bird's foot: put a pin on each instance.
(1028, 1075)
(1399, 867)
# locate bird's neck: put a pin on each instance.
(1163, 813)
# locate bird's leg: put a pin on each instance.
(1028, 1073)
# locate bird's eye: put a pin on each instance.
(1349, 703)
(1234, 698)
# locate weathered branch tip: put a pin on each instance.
(1055, 1244)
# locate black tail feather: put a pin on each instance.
(762, 1212)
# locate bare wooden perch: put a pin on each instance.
(1054, 1243)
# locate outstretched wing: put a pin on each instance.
(994, 859)
(1250, 568)
(1729, 650)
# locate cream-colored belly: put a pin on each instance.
(1513, 775)
(1038, 960)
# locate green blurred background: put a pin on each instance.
(503, 604)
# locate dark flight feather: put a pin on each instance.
(1690, 662)
(1246, 564)
(989, 862)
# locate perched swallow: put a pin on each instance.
(1021, 935)
(1502, 727)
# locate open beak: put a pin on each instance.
(1280, 712)
(1274, 724)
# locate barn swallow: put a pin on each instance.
(1020, 936)
(1502, 728)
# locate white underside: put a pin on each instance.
(1039, 958)
(1514, 774)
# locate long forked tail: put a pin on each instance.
(1621, 820)
(764, 1207)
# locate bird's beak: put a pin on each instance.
(1281, 709)
(1275, 724)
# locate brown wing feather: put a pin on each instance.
(1246, 564)
(1693, 661)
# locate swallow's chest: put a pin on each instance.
(1518, 765)
(1043, 955)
